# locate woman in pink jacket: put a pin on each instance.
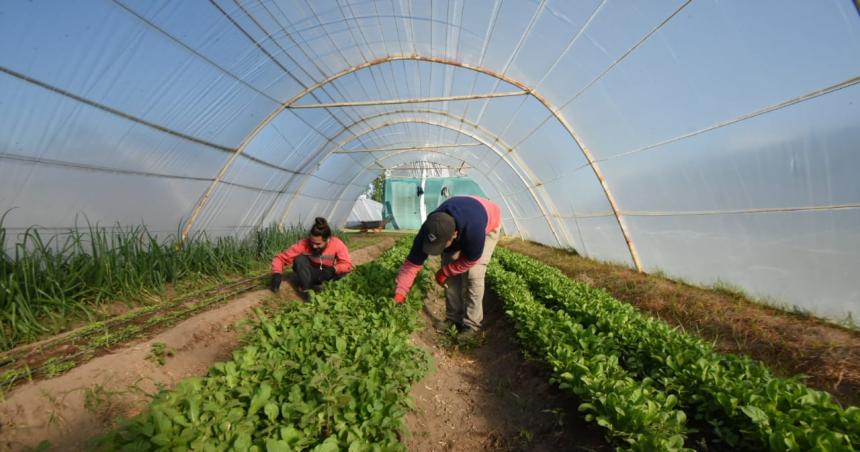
(315, 259)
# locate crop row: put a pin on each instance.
(45, 282)
(738, 399)
(43, 360)
(331, 374)
(634, 412)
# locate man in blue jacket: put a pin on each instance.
(464, 230)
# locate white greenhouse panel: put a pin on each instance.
(38, 124)
(803, 259)
(537, 230)
(602, 240)
(579, 193)
(793, 157)
(234, 210)
(250, 173)
(51, 197)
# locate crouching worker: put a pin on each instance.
(315, 259)
(464, 230)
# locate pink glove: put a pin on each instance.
(399, 298)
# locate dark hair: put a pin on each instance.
(320, 228)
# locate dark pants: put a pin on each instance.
(310, 274)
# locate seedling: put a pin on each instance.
(159, 353)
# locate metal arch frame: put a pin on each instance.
(411, 100)
(446, 61)
(447, 154)
(543, 100)
(322, 155)
(517, 164)
(541, 201)
(502, 155)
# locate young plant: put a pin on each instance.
(744, 405)
(159, 353)
(330, 374)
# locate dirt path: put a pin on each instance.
(490, 398)
(70, 409)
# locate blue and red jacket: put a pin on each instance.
(474, 218)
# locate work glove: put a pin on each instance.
(276, 282)
(399, 298)
(441, 277)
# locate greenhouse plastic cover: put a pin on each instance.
(364, 210)
(710, 140)
(403, 205)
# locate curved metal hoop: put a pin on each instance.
(323, 155)
(446, 61)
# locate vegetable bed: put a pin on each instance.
(331, 374)
(635, 372)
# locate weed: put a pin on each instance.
(849, 322)
(103, 403)
(558, 413)
(730, 290)
(526, 436)
(467, 342)
(448, 338)
(159, 353)
(55, 367)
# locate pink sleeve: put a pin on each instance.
(406, 277)
(459, 266)
(285, 258)
(494, 214)
(343, 264)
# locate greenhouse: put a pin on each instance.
(660, 197)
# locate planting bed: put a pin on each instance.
(789, 343)
(561, 366)
(69, 409)
(641, 380)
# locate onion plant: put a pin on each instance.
(45, 281)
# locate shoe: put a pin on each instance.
(468, 335)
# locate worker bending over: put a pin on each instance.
(464, 230)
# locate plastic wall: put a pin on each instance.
(715, 141)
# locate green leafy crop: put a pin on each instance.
(634, 412)
(738, 398)
(331, 374)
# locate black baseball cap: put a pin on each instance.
(439, 228)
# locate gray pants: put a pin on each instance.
(464, 293)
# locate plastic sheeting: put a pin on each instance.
(403, 203)
(364, 210)
(717, 138)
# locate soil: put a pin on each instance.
(75, 347)
(490, 397)
(790, 344)
(69, 410)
